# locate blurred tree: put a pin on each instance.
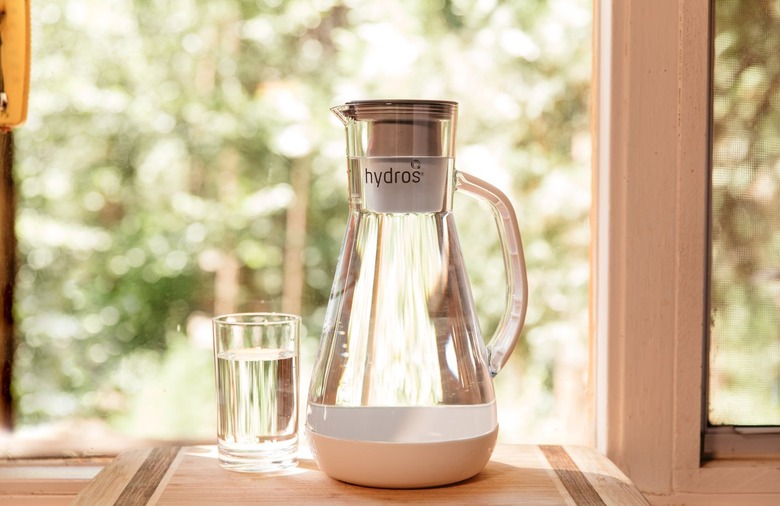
(180, 161)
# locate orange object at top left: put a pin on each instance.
(14, 62)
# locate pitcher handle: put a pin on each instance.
(502, 343)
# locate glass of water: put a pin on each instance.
(256, 364)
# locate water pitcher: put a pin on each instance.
(401, 394)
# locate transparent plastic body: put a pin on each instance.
(401, 357)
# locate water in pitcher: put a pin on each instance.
(399, 362)
(403, 345)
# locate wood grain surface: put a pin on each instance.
(516, 474)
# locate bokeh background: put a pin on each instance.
(180, 161)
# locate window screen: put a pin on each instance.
(744, 359)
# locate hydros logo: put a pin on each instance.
(395, 176)
(404, 184)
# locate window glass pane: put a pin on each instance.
(745, 279)
(180, 160)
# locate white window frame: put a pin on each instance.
(651, 165)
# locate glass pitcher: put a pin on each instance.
(401, 394)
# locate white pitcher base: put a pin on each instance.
(401, 465)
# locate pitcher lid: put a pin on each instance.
(360, 110)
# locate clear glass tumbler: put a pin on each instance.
(256, 365)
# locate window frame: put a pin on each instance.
(652, 92)
(7, 276)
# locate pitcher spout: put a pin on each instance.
(341, 112)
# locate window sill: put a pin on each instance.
(51, 465)
(763, 461)
(46, 481)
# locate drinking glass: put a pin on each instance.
(256, 365)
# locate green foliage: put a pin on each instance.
(160, 148)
